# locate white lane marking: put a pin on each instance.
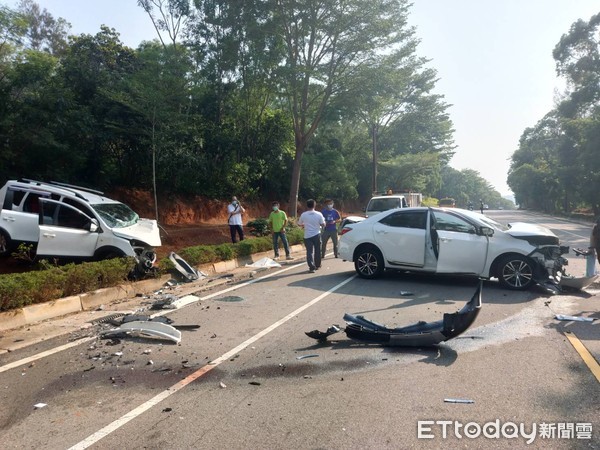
(58, 349)
(110, 428)
(41, 355)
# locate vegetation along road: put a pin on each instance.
(239, 380)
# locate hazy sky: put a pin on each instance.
(493, 57)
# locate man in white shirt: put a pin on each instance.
(312, 221)
(235, 210)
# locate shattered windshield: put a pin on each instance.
(116, 215)
(485, 219)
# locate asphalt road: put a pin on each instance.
(239, 381)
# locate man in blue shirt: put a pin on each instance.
(332, 217)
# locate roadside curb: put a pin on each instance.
(91, 300)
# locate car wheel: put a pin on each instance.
(111, 254)
(369, 262)
(515, 272)
(5, 244)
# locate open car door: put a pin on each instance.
(65, 231)
(459, 248)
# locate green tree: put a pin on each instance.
(325, 44)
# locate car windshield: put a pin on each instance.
(116, 215)
(382, 204)
(486, 220)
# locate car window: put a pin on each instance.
(80, 206)
(449, 222)
(402, 219)
(13, 199)
(60, 215)
(382, 204)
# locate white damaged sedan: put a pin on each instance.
(453, 241)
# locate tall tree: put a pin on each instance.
(167, 16)
(326, 43)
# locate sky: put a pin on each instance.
(493, 58)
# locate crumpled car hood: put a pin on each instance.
(534, 234)
(145, 230)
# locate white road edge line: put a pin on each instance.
(59, 349)
(110, 428)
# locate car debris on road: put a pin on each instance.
(416, 335)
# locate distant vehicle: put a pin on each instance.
(447, 202)
(453, 241)
(384, 203)
(74, 223)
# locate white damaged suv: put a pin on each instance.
(73, 223)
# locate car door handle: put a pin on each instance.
(445, 240)
(9, 219)
(49, 235)
(381, 232)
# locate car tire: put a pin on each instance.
(110, 254)
(515, 272)
(369, 262)
(6, 245)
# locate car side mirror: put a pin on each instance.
(486, 231)
(93, 226)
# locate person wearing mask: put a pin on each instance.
(235, 210)
(312, 221)
(332, 217)
(277, 221)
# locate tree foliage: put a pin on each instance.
(556, 167)
(261, 98)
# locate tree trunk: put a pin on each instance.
(374, 140)
(295, 186)
(154, 163)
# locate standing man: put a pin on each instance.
(277, 221)
(235, 210)
(481, 206)
(312, 221)
(332, 217)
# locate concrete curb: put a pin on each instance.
(92, 300)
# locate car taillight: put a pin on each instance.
(345, 230)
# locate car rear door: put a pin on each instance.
(460, 249)
(401, 237)
(19, 216)
(64, 231)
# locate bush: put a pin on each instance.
(22, 289)
(200, 254)
(259, 227)
(225, 252)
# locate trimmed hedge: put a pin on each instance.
(22, 289)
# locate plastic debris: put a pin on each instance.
(164, 301)
(314, 355)
(118, 354)
(40, 405)
(222, 385)
(264, 262)
(458, 400)
(574, 318)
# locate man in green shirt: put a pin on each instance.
(277, 222)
